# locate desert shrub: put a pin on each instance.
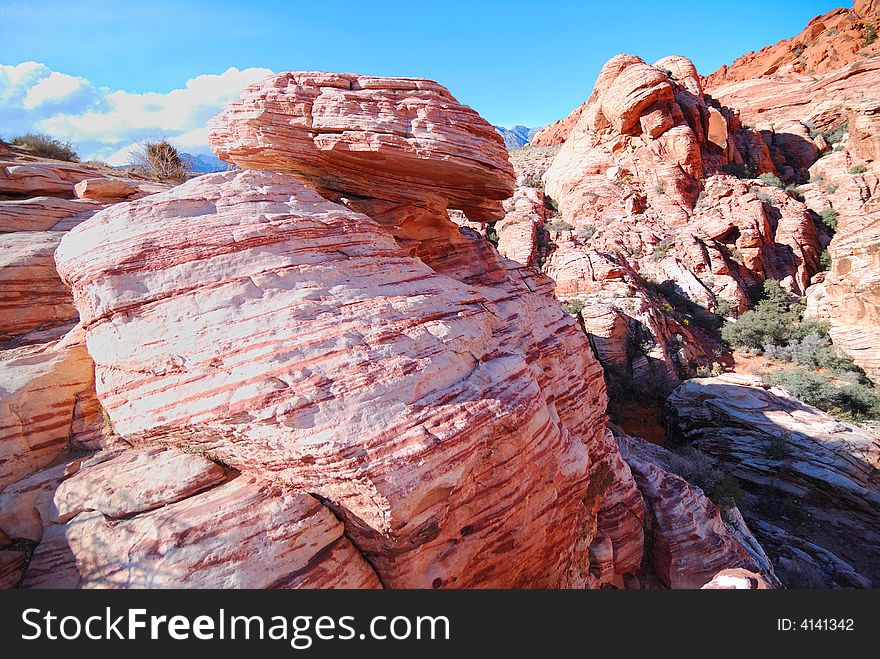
(161, 160)
(828, 217)
(559, 226)
(869, 35)
(851, 401)
(662, 249)
(831, 188)
(586, 232)
(836, 134)
(492, 234)
(534, 182)
(699, 469)
(46, 146)
(762, 196)
(776, 448)
(573, 306)
(660, 187)
(723, 308)
(773, 321)
(551, 203)
(744, 171)
(858, 169)
(772, 180)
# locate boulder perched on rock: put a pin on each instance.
(400, 140)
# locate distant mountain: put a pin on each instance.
(517, 136)
(204, 163)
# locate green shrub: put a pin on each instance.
(573, 306)
(776, 448)
(762, 196)
(772, 180)
(744, 171)
(46, 146)
(559, 226)
(586, 232)
(869, 35)
(775, 320)
(552, 204)
(828, 217)
(723, 308)
(492, 234)
(825, 260)
(534, 182)
(858, 169)
(831, 188)
(848, 401)
(662, 249)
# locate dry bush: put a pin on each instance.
(160, 160)
(46, 146)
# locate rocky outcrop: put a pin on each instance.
(149, 520)
(652, 236)
(736, 579)
(814, 478)
(363, 136)
(690, 538)
(32, 294)
(44, 213)
(47, 404)
(829, 42)
(424, 401)
(105, 189)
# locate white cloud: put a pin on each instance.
(105, 124)
(56, 88)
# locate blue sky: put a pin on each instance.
(515, 62)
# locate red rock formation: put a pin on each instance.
(828, 43)
(690, 538)
(638, 183)
(32, 294)
(400, 140)
(46, 402)
(736, 579)
(421, 379)
(105, 189)
(257, 534)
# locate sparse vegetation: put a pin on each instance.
(698, 468)
(161, 160)
(825, 260)
(492, 234)
(46, 146)
(776, 448)
(744, 171)
(831, 188)
(534, 182)
(772, 180)
(869, 35)
(858, 169)
(586, 232)
(851, 401)
(762, 196)
(559, 226)
(662, 249)
(573, 306)
(828, 217)
(776, 319)
(832, 136)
